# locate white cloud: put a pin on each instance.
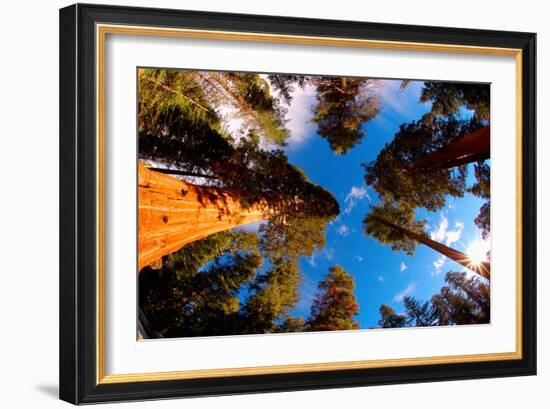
(407, 291)
(381, 279)
(343, 230)
(400, 101)
(355, 195)
(402, 267)
(438, 264)
(299, 115)
(445, 235)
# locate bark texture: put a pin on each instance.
(173, 213)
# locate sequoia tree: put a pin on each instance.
(173, 213)
(474, 147)
(181, 134)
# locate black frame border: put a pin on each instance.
(78, 203)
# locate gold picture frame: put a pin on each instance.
(104, 21)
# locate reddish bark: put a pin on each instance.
(470, 148)
(173, 213)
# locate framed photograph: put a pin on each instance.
(257, 204)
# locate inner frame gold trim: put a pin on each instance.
(101, 32)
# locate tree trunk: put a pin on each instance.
(173, 213)
(483, 269)
(470, 148)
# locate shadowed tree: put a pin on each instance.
(198, 291)
(389, 318)
(344, 104)
(396, 226)
(195, 293)
(335, 306)
(181, 134)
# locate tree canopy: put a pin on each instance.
(344, 104)
(448, 98)
(196, 292)
(392, 176)
(404, 186)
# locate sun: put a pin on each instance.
(477, 251)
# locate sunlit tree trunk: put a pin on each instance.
(470, 148)
(483, 269)
(173, 213)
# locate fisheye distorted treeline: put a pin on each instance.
(226, 220)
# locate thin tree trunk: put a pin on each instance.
(173, 213)
(180, 172)
(483, 269)
(470, 148)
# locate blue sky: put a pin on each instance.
(382, 276)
